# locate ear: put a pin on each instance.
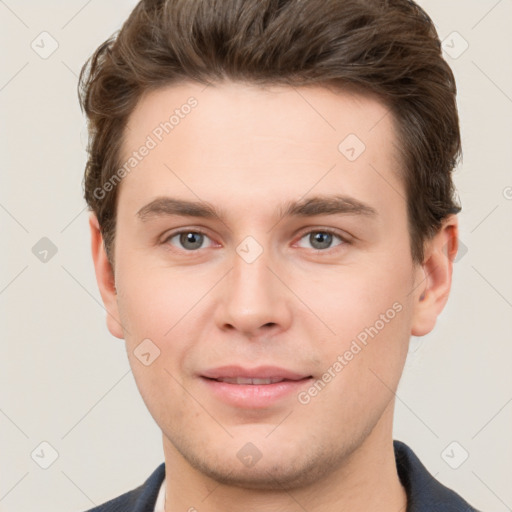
(434, 277)
(105, 278)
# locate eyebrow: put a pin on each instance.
(309, 207)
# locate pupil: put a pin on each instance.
(321, 239)
(191, 240)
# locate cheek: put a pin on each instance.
(349, 298)
(159, 308)
(154, 300)
(362, 368)
(153, 305)
(370, 310)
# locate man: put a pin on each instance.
(272, 218)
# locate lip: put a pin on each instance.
(260, 372)
(254, 396)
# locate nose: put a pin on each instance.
(253, 299)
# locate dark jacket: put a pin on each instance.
(424, 492)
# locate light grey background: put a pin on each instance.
(65, 380)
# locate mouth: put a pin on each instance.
(261, 375)
(255, 388)
(253, 382)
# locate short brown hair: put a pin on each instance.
(385, 47)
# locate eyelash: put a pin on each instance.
(344, 240)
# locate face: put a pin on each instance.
(266, 324)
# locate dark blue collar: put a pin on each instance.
(424, 492)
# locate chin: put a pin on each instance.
(281, 473)
(266, 478)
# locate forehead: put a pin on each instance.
(242, 108)
(267, 141)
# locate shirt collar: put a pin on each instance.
(424, 492)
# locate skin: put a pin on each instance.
(247, 150)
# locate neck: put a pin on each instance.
(366, 481)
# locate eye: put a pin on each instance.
(193, 240)
(322, 239)
(187, 239)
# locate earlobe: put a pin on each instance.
(105, 278)
(433, 283)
